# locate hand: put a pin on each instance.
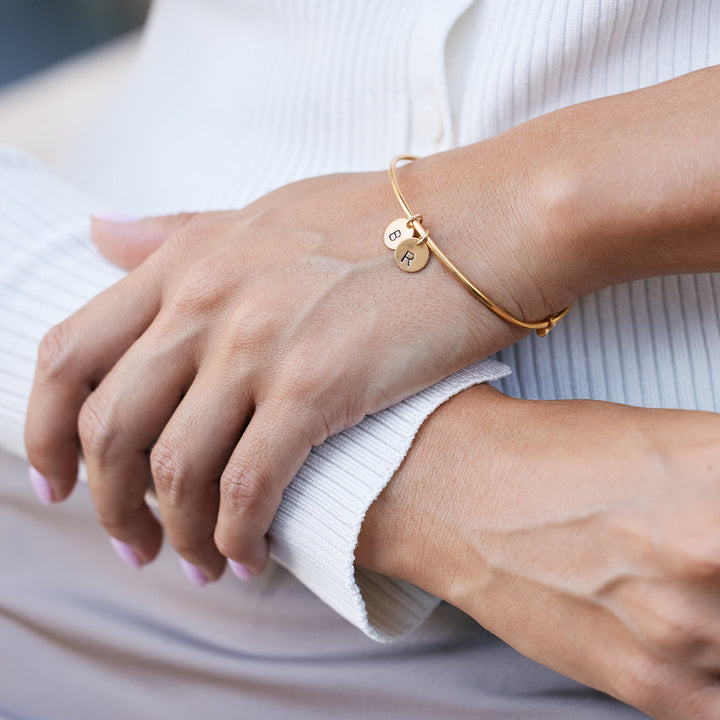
(584, 534)
(243, 340)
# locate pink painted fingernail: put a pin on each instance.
(127, 553)
(196, 576)
(114, 217)
(242, 572)
(41, 486)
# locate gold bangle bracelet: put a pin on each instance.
(413, 252)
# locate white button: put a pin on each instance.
(430, 121)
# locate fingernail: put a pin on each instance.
(242, 572)
(114, 217)
(127, 553)
(196, 576)
(41, 486)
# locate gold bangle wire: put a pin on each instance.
(542, 327)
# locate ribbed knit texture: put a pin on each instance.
(230, 99)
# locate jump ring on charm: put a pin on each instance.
(413, 219)
(422, 239)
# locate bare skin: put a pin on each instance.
(246, 337)
(584, 534)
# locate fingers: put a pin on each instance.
(270, 452)
(187, 462)
(117, 425)
(72, 359)
(128, 242)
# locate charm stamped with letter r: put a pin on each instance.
(410, 256)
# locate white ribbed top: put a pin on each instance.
(231, 98)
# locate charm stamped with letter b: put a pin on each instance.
(397, 231)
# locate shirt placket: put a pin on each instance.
(431, 121)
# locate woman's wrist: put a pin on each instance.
(413, 531)
(482, 207)
(486, 207)
(589, 196)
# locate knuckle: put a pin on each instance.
(669, 636)
(55, 353)
(95, 427)
(301, 382)
(314, 400)
(669, 627)
(203, 287)
(246, 490)
(169, 472)
(252, 326)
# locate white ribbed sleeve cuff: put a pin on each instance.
(316, 529)
(50, 269)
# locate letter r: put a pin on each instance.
(409, 256)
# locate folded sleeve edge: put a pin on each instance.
(315, 532)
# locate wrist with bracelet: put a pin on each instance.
(412, 245)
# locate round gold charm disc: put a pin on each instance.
(397, 231)
(410, 256)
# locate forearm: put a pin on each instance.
(646, 175)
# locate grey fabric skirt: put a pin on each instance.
(82, 636)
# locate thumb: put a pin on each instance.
(127, 241)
